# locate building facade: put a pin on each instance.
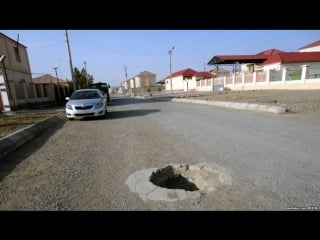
(17, 90)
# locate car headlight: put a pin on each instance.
(98, 105)
(69, 107)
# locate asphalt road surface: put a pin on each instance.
(273, 160)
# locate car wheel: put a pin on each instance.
(71, 119)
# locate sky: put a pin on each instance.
(108, 53)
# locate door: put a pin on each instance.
(185, 85)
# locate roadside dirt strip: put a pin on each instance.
(14, 140)
(236, 105)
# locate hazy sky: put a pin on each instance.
(106, 52)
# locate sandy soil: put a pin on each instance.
(293, 100)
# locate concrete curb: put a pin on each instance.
(13, 141)
(237, 105)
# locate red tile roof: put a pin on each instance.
(185, 72)
(314, 44)
(188, 72)
(293, 57)
(270, 52)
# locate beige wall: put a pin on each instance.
(180, 85)
(19, 77)
(148, 80)
(17, 71)
(296, 86)
(283, 83)
(141, 81)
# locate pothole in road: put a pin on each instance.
(185, 177)
(178, 182)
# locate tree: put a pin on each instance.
(77, 78)
(81, 78)
(90, 79)
(84, 80)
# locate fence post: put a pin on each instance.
(243, 76)
(254, 78)
(234, 79)
(268, 77)
(304, 73)
(284, 75)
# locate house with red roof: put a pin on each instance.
(312, 47)
(271, 59)
(273, 65)
(188, 80)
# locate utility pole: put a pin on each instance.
(55, 69)
(87, 79)
(170, 53)
(125, 72)
(70, 61)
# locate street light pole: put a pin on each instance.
(170, 53)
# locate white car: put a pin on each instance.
(86, 103)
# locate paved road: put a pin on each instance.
(273, 160)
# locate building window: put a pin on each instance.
(251, 67)
(17, 53)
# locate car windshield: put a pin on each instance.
(84, 95)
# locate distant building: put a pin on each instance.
(51, 87)
(144, 79)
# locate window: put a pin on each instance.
(17, 53)
(251, 67)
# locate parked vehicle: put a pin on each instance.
(102, 87)
(86, 103)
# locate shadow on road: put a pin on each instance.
(130, 113)
(117, 101)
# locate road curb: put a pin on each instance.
(237, 105)
(13, 141)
